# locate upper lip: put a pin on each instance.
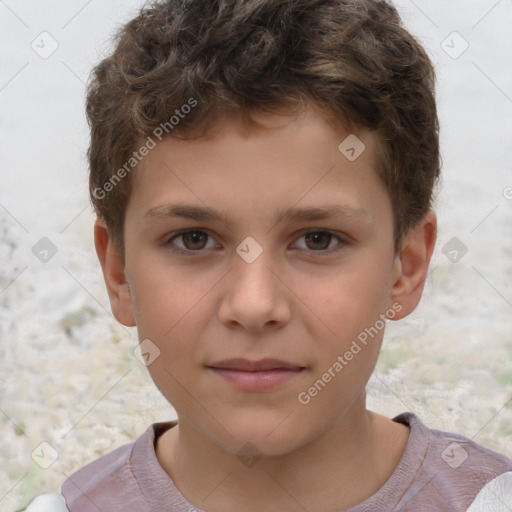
(254, 366)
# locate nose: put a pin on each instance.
(253, 296)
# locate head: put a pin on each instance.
(244, 109)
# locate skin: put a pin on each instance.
(291, 303)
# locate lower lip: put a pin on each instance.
(257, 381)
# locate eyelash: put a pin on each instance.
(189, 252)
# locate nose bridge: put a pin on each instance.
(254, 296)
(252, 264)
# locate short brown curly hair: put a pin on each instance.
(181, 64)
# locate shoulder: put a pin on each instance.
(85, 482)
(112, 482)
(462, 454)
(456, 470)
(110, 475)
(455, 453)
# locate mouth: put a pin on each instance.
(256, 376)
(245, 365)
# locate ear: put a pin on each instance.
(113, 272)
(411, 264)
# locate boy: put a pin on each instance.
(263, 174)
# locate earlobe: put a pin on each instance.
(112, 266)
(411, 264)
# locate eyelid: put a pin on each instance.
(343, 240)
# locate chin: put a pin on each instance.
(265, 434)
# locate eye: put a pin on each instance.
(320, 241)
(193, 241)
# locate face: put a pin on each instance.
(268, 313)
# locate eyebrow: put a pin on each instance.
(204, 213)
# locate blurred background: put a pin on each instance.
(71, 385)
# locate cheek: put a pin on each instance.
(173, 310)
(351, 299)
(166, 300)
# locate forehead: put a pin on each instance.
(287, 161)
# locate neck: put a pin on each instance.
(345, 465)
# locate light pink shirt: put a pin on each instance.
(439, 471)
